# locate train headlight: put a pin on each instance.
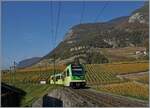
(78, 77)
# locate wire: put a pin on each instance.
(97, 17)
(80, 21)
(100, 13)
(52, 31)
(55, 36)
(58, 20)
(51, 11)
(82, 12)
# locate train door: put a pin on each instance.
(67, 77)
(59, 79)
(52, 80)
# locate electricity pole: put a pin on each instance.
(54, 69)
(14, 72)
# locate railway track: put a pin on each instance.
(107, 100)
(68, 97)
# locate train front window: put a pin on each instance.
(77, 71)
(67, 72)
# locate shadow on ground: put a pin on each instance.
(11, 96)
(49, 101)
(87, 87)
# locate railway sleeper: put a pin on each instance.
(77, 84)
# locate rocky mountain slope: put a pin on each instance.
(84, 40)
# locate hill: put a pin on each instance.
(83, 40)
(28, 62)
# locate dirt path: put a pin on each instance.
(67, 97)
(132, 75)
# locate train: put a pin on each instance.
(72, 76)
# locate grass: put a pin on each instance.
(29, 82)
(33, 92)
(130, 89)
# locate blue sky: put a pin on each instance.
(26, 26)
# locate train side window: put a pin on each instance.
(64, 74)
(57, 78)
(67, 72)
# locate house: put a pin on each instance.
(141, 52)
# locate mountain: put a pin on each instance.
(28, 62)
(86, 40)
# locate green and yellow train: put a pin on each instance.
(73, 76)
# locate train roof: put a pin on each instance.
(74, 65)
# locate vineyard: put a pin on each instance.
(143, 79)
(29, 81)
(106, 73)
(25, 77)
(96, 73)
(103, 76)
(42, 68)
(126, 68)
(31, 74)
(131, 89)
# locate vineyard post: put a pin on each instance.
(39, 73)
(45, 66)
(14, 73)
(50, 69)
(54, 64)
(40, 67)
(10, 75)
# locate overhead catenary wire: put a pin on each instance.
(52, 29)
(57, 22)
(82, 12)
(51, 22)
(55, 35)
(98, 17)
(76, 60)
(95, 20)
(80, 21)
(101, 12)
